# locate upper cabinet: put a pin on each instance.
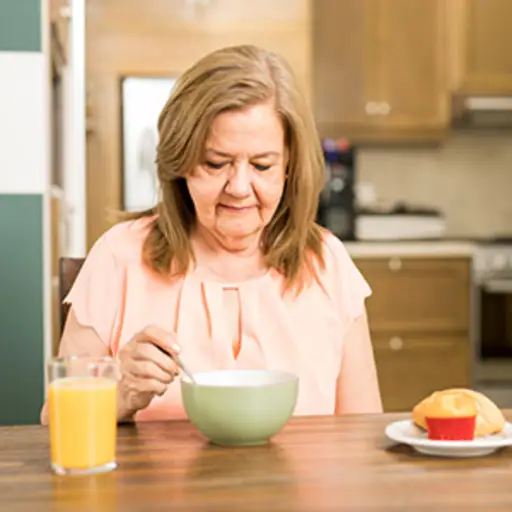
(481, 38)
(340, 65)
(379, 70)
(410, 40)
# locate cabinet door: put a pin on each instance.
(342, 77)
(378, 69)
(412, 77)
(417, 295)
(412, 367)
(486, 46)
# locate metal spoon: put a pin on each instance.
(187, 372)
(177, 359)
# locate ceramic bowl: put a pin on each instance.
(240, 407)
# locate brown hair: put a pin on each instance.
(228, 79)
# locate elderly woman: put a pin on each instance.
(230, 266)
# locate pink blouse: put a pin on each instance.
(117, 296)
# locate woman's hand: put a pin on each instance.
(146, 370)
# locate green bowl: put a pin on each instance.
(240, 407)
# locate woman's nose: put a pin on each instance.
(239, 181)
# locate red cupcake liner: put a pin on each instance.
(451, 429)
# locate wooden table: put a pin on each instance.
(315, 463)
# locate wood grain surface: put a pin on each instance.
(315, 463)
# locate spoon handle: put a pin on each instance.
(177, 359)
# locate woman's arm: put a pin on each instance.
(146, 371)
(80, 340)
(357, 389)
(77, 340)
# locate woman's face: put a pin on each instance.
(238, 184)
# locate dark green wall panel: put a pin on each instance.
(20, 25)
(21, 309)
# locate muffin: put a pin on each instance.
(457, 415)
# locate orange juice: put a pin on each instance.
(83, 423)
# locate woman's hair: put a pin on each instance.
(229, 79)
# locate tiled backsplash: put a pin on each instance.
(469, 178)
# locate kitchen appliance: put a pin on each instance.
(492, 319)
(482, 112)
(401, 222)
(336, 210)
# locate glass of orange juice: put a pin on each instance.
(82, 414)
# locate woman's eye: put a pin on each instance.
(215, 165)
(261, 167)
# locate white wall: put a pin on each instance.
(24, 131)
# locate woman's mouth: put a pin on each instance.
(235, 209)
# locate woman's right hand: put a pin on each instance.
(146, 371)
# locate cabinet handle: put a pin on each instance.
(396, 343)
(395, 264)
(372, 108)
(384, 108)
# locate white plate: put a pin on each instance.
(407, 432)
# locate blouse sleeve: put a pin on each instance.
(345, 279)
(96, 293)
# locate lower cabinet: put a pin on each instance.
(411, 367)
(419, 322)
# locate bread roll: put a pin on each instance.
(458, 403)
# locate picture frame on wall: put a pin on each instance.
(142, 100)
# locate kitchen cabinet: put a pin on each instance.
(412, 366)
(340, 76)
(414, 294)
(419, 321)
(379, 70)
(480, 43)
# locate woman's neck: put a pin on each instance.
(242, 262)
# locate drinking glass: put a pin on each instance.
(82, 414)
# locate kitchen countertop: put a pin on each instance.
(413, 248)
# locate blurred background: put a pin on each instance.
(413, 105)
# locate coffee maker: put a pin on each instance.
(336, 210)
